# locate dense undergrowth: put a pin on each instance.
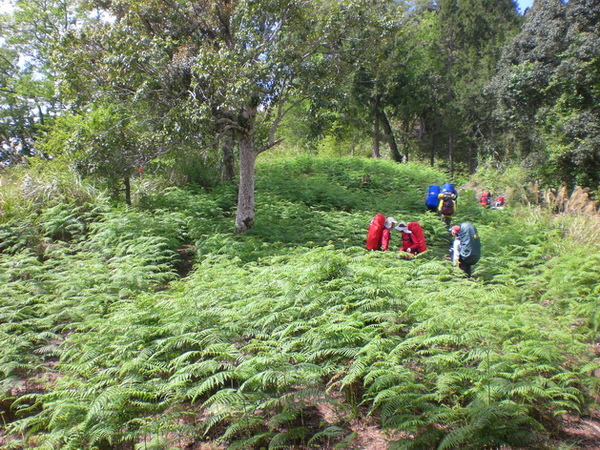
(155, 327)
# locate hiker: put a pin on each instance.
(378, 235)
(413, 238)
(447, 205)
(486, 198)
(431, 200)
(466, 249)
(499, 202)
(386, 235)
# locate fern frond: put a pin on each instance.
(284, 440)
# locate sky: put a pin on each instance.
(5, 6)
(523, 4)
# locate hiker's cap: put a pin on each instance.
(389, 222)
(401, 226)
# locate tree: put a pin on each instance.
(203, 66)
(373, 74)
(470, 35)
(547, 92)
(419, 71)
(107, 142)
(415, 74)
(245, 68)
(525, 70)
(27, 100)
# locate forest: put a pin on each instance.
(185, 192)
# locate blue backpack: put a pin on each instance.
(431, 201)
(450, 187)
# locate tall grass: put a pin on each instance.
(46, 184)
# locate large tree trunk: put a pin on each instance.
(389, 133)
(432, 154)
(244, 218)
(127, 183)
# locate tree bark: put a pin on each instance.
(244, 218)
(389, 133)
(432, 154)
(127, 183)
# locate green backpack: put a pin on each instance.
(470, 244)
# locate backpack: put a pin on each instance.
(415, 240)
(449, 187)
(470, 245)
(486, 198)
(447, 208)
(431, 201)
(375, 232)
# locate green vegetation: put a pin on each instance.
(176, 272)
(153, 326)
(197, 90)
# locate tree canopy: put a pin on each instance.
(546, 92)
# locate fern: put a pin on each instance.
(272, 325)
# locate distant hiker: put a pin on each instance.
(378, 235)
(431, 200)
(486, 198)
(413, 238)
(499, 202)
(447, 206)
(466, 249)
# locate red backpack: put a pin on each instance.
(486, 198)
(375, 233)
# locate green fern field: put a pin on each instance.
(155, 327)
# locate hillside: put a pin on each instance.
(155, 327)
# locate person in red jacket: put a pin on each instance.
(413, 238)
